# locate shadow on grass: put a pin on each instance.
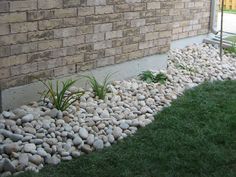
(195, 137)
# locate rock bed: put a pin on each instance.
(38, 134)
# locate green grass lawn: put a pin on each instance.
(230, 11)
(195, 137)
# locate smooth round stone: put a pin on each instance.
(54, 160)
(27, 118)
(76, 128)
(29, 147)
(141, 97)
(75, 154)
(111, 138)
(24, 159)
(67, 158)
(6, 114)
(53, 113)
(10, 148)
(105, 114)
(9, 166)
(101, 126)
(77, 141)
(42, 152)
(90, 139)
(98, 144)
(36, 159)
(117, 132)
(83, 133)
(124, 125)
(52, 141)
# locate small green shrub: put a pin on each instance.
(100, 89)
(60, 97)
(231, 49)
(160, 78)
(149, 76)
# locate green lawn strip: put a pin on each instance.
(231, 38)
(195, 137)
(230, 11)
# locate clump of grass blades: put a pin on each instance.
(231, 49)
(60, 97)
(100, 89)
(149, 76)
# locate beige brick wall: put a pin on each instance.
(190, 18)
(50, 38)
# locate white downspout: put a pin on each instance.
(213, 20)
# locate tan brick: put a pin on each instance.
(73, 41)
(13, 60)
(65, 32)
(106, 61)
(71, 3)
(131, 15)
(64, 70)
(23, 27)
(73, 21)
(23, 69)
(122, 8)
(49, 64)
(96, 2)
(114, 34)
(49, 44)
(153, 5)
(4, 6)
(132, 1)
(4, 29)
(130, 48)
(136, 54)
(4, 73)
(40, 35)
(179, 5)
(165, 34)
(23, 5)
(113, 51)
(43, 55)
(102, 27)
(84, 29)
(83, 11)
(40, 15)
(13, 39)
(104, 9)
(50, 24)
(95, 37)
(102, 45)
(12, 17)
(138, 22)
(68, 60)
(151, 36)
(87, 66)
(62, 13)
(24, 48)
(147, 29)
(49, 4)
(5, 51)
(144, 45)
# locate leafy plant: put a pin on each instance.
(100, 89)
(147, 76)
(232, 49)
(161, 78)
(60, 97)
(150, 76)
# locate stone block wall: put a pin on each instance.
(190, 18)
(52, 38)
